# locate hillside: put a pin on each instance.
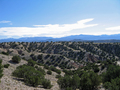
(68, 57)
(62, 54)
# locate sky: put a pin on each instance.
(58, 18)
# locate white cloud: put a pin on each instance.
(49, 30)
(5, 21)
(113, 28)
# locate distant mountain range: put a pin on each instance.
(98, 38)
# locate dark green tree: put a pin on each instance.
(65, 82)
(16, 59)
(46, 84)
(1, 68)
(31, 62)
(33, 78)
(75, 82)
(49, 72)
(30, 75)
(89, 81)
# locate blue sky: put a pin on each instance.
(58, 18)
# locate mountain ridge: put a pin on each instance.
(81, 37)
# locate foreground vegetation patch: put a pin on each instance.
(32, 76)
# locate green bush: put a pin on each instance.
(55, 70)
(41, 70)
(52, 68)
(69, 88)
(40, 64)
(88, 81)
(16, 59)
(40, 57)
(102, 67)
(46, 84)
(21, 70)
(58, 76)
(36, 67)
(46, 67)
(31, 62)
(58, 71)
(1, 68)
(30, 74)
(6, 65)
(49, 72)
(33, 78)
(96, 69)
(113, 85)
(65, 82)
(111, 73)
(111, 78)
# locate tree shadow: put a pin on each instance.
(18, 79)
(12, 62)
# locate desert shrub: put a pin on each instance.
(16, 59)
(47, 56)
(68, 72)
(48, 63)
(49, 72)
(1, 68)
(58, 71)
(31, 62)
(30, 75)
(23, 58)
(52, 68)
(40, 57)
(113, 85)
(31, 55)
(6, 65)
(55, 70)
(20, 70)
(33, 77)
(65, 82)
(46, 84)
(46, 67)
(96, 69)
(102, 67)
(40, 64)
(69, 88)
(36, 67)
(23, 54)
(111, 73)
(41, 70)
(58, 76)
(34, 58)
(88, 81)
